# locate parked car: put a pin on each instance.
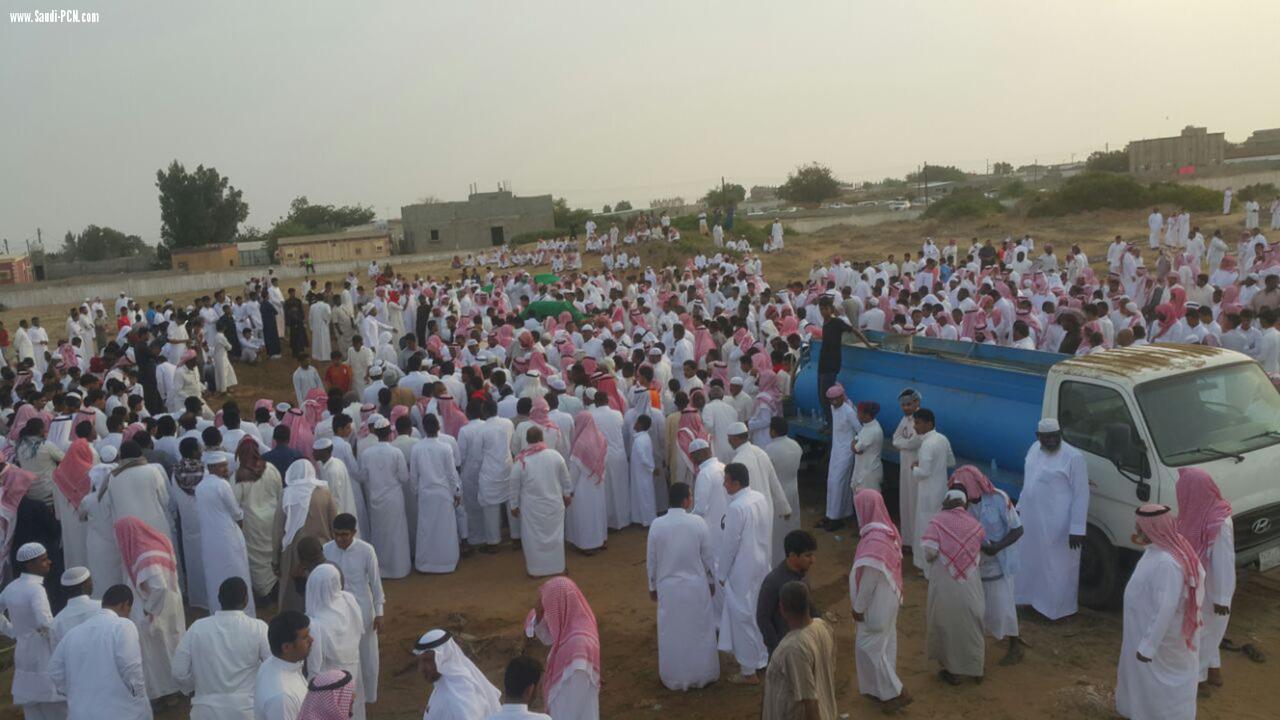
(868, 203)
(897, 205)
(835, 205)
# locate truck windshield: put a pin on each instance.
(1222, 412)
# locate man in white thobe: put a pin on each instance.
(223, 551)
(929, 474)
(642, 472)
(785, 454)
(844, 428)
(459, 691)
(98, 665)
(29, 622)
(1155, 221)
(80, 606)
(742, 566)
(907, 442)
(540, 492)
(360, 576)
(709, 497)
(434, 470)
(1159, 666)
(219, 656)
(360, 358)
(764, 479)
(386, 472)
(717, 416)
(280, 687)
(682, 582)
(617, 472)
(492, 488)
(334, 472)
(1054, 506)
(319, 318)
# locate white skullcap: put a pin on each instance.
(955, 494)
(74, 576)
(534, 374)
(1048, 425)
(75, 395)
(377, 422)
(735, 380)
(375, 370)
(216, 457)
(738, 428)
(698, 444)
(655, 350)
(555, 383)
(617, 327)
(431, 640)
(31, 551)
(283, 407)
(108, 453)
(322, 444)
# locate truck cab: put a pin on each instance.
(1139, 415)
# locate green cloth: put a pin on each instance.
(546, 279)
(551, 308)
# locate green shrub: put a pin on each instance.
(1098, 191)
(1258, 191)
(1013, 189)
(963, 204)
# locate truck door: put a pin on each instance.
(1097, 420)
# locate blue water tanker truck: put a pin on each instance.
(1138, 414)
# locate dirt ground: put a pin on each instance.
(1069, 670)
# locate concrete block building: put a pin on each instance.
(483, 220)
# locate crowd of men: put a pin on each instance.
(455, 414)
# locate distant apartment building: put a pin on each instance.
(1261, 146)
(483, 220)
(1181, 154)
(363, 243)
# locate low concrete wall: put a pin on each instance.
(1237, 181)
(159, 284)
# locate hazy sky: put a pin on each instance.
(384, 102)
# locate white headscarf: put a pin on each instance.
(299, 481)
(462, 687)
(336, 610)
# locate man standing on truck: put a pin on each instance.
(834, 326)
(1054, 506)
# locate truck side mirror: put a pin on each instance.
(1143, 491)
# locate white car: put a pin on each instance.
(835, 205)
(900, 205)
(868, 203)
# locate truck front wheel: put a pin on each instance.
(1099, 571)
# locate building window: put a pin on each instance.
(359, 251)
(435, 236)
(6, 275)
(377, 248)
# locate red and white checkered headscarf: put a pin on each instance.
(329, 697)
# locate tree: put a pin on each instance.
(724, 196)
(811, 183)
(622, 206)
(100, 243)
(607, 209)
(197, 208)
(1002, 168)
(567, 218)
(307, 219)
(938, 173)
(1114, 161)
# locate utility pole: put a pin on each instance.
(924, 178)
